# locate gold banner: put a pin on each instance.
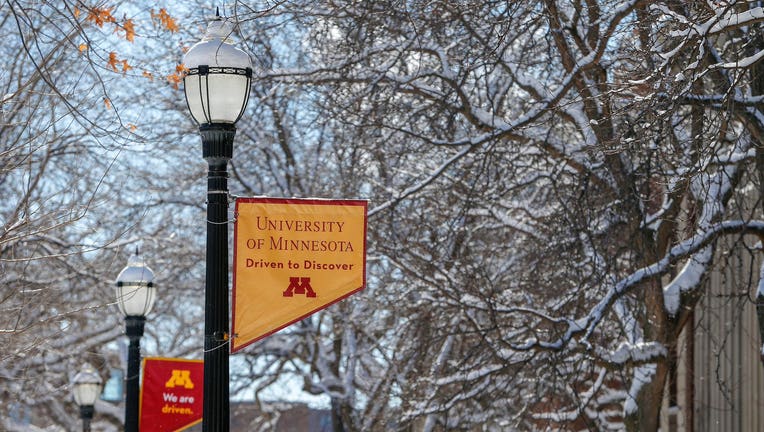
(293, 257)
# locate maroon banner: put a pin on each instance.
(171, 394)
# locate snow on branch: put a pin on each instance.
(562, 416)
(688, 278)
(589, 323)
(725, 20)
(421, 185)
(641, 352)
(740, 63)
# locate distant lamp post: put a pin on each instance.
(217, 90)
(760, 316)
(86, 386)
(135, 297)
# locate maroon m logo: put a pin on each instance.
(299, 285)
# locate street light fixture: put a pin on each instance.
(86, 386)
(135, 297)
(217, 90)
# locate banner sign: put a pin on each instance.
(293, 257)
(172, 397)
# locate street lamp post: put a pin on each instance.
(86, 386)
(135, 297)
(217, 90)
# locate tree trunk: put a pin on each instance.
(650, 396)
(337, 422)
(649, 400)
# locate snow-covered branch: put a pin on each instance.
(585, 326)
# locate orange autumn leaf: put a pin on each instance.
(174, 80)
(129, 30)
(113, 61)
(177, 77)
(165, 20)
(128, 27)
(149, 75)
(76, 12)
(171, 25)
(83, 47)
(99, 16)
(107, 102)
(132, 127)
(116, 64)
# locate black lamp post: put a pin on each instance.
(135, 297)
(760, 316)
(86, 386)
(217, 90)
